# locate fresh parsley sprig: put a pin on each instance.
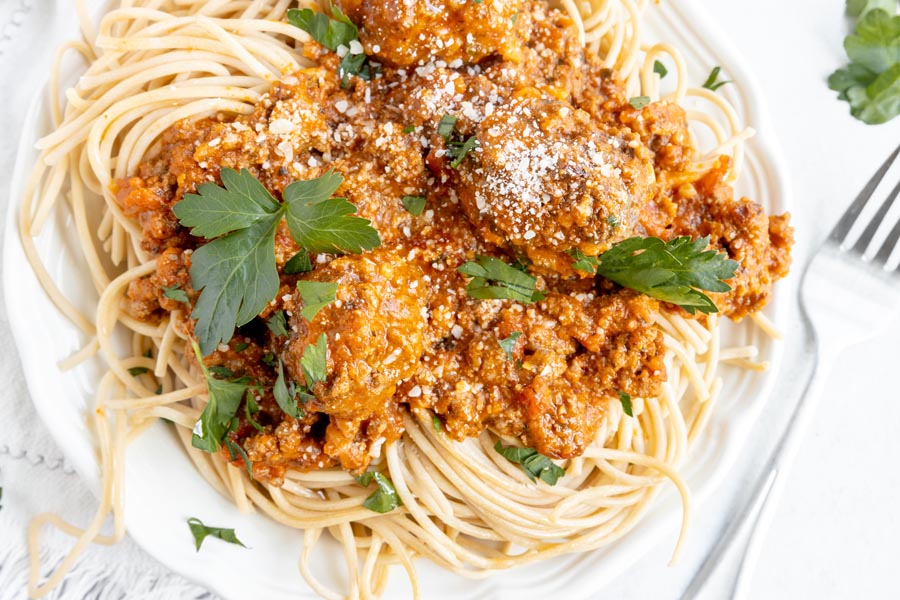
(534, 464)
(494, 279)
(236, 270)
(673, 271)
(871, 82)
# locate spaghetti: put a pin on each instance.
(152, 64)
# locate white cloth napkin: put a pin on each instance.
(34, 475)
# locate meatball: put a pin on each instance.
(408, 34)
(375, 332)
(545, 179)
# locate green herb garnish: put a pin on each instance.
(220, 371)
(871, 82)
(235, 451)
(509, 343)
(175, 293)
(385, 498)
(236, 270)
(712, 82)
(533, 463)
(277, 324)
(436, 423)
(315, 361)
(671, 271)
(660, 69)
(216, 419)
(458, 151)
(445, 127)
(316, 296)
(284, 396)
(135, 371)
(639, 102)
(201, 532)
(494, 279)
(299, 263)
(625, 399)
(414, 205)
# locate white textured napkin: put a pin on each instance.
(34, 474)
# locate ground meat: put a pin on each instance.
(546, 180)
(740, 228)
(407, 34)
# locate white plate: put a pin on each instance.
(163, 490)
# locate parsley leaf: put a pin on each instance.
(201, 532)
(625, 399)
(299, 263)
(446, 126)
(508, 344)
(285, 399)
(508, 282)
(234, 451)
(858, 8)
(216, 419)
(875, 43)
(135, 371)
(583, 262)
(660, 69)
(712, 82)
(236, 273)
(436, 423)
(315, 361)
(414, 205)
(533, 463)
(879, 102)
(216, 210)
(316, 296)
(385, 498)
(671, 271)
(175, 293)
(639, 102)
(330, 32)
(459, 150)
(277, 324)
(324, 224)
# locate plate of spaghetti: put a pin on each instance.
(469, 291)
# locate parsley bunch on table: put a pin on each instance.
(871, 82)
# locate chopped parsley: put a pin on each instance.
(315, 361)
(612, 221)
(277, 324)
(409, 129)
(446, 126)
(201, 532)
(218, 416)
(385, 498)
(436, 423)
(316, 296)
(660, 69)
(135, 371)
(508, 344)
(712, 82)
(625, 399)
(639, 102)
(414, 205)
(333, 33)
(175, 293)
(299, 263)
(236, 270)
(533, 463)
(871, 82)
(221, 372)
(673, 271)
(286, 396)
(235, 451)
(494, 279)
(459, 150)
(241, 347)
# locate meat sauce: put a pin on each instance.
(563, 162)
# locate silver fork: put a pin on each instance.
(851, 288)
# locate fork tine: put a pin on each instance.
(875, 222)
(890, 242)
(844, 226)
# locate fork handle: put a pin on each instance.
(756, 511)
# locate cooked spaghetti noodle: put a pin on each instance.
(153, 64)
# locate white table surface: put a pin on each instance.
(835, 533)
